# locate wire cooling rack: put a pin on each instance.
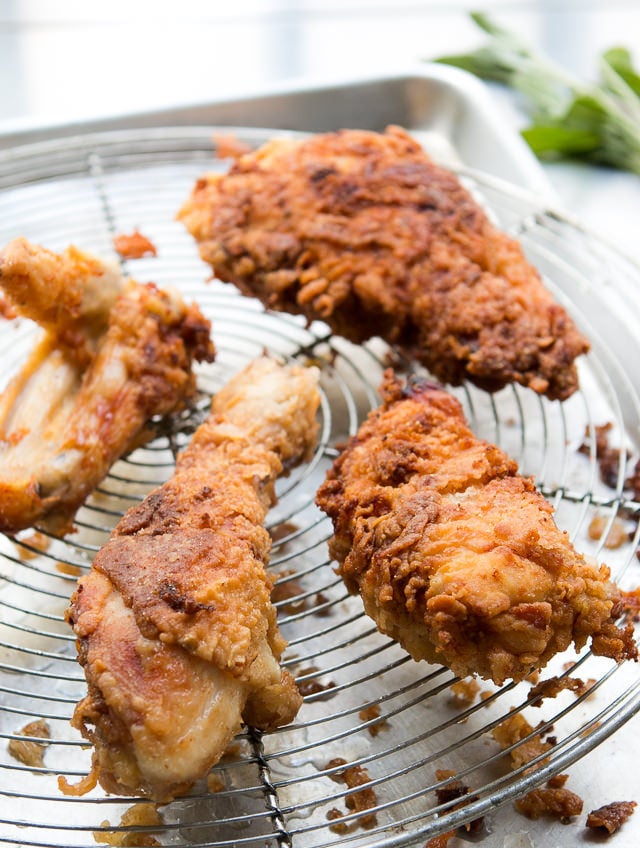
(367, 707)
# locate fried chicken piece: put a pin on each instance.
(454, 553)
(363, 231)
(176, 630)
(113, 355)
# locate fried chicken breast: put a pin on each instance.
(455, 555)
(176, 630)
(363, 231)
(114, 354)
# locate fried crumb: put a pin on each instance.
(288, 591)
(440, 841)
(282, 530)
(370, 713)
(557, 781)
(632, 484)
(26, 751)
(363, 798)
(230, 146)
(608, 458)
(590, 729)
(514, 729)
(68, 568)
(559, 803)
(611, 817)
(313, 686)
(453, 790)
(320, 603)
(339, 827)
(36, 540)
(554, 685)
(139, 815)
(617, 535)
(214, 782)
(463, 692)
(630, 604)
(134, 245)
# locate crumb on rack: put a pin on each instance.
(68, 568)
(607, 457)
(552, 687)
(313, 686)
(133, 245)
(617, 536)
(289, 594)
(27, 751)
(453, 790)
(440, 841)
(512, 731)
(611, 817)
(33, 544)
(463, 692)
(282, 530)
(362, 799)
(550, 801)
(139, 815)
(630, 604)
(321, 605)
(557, 781)
(371, 713)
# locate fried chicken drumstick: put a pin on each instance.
(175, 626)
(363, 231)
(455, 555)
(114, 354)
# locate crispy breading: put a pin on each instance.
(114, 354)
(454, 553)
(363, 231)
(176, 629)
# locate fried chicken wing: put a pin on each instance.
(113, 355)
(454, 554)
(176, 630)
(363, 231)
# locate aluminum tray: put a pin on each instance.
(450, 111)
(85, 182)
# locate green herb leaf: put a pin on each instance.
(570, 118)
(619, 59)
(556, 141)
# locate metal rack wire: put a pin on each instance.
(367, 705)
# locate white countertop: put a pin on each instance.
(75, 60)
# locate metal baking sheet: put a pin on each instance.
(448, 110)
(59, 183)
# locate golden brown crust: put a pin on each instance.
(176, 629)
(454, 553)
(557, 803)
(611, 817)
(66, 417)
(363, 231)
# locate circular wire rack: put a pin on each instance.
(379, 738)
